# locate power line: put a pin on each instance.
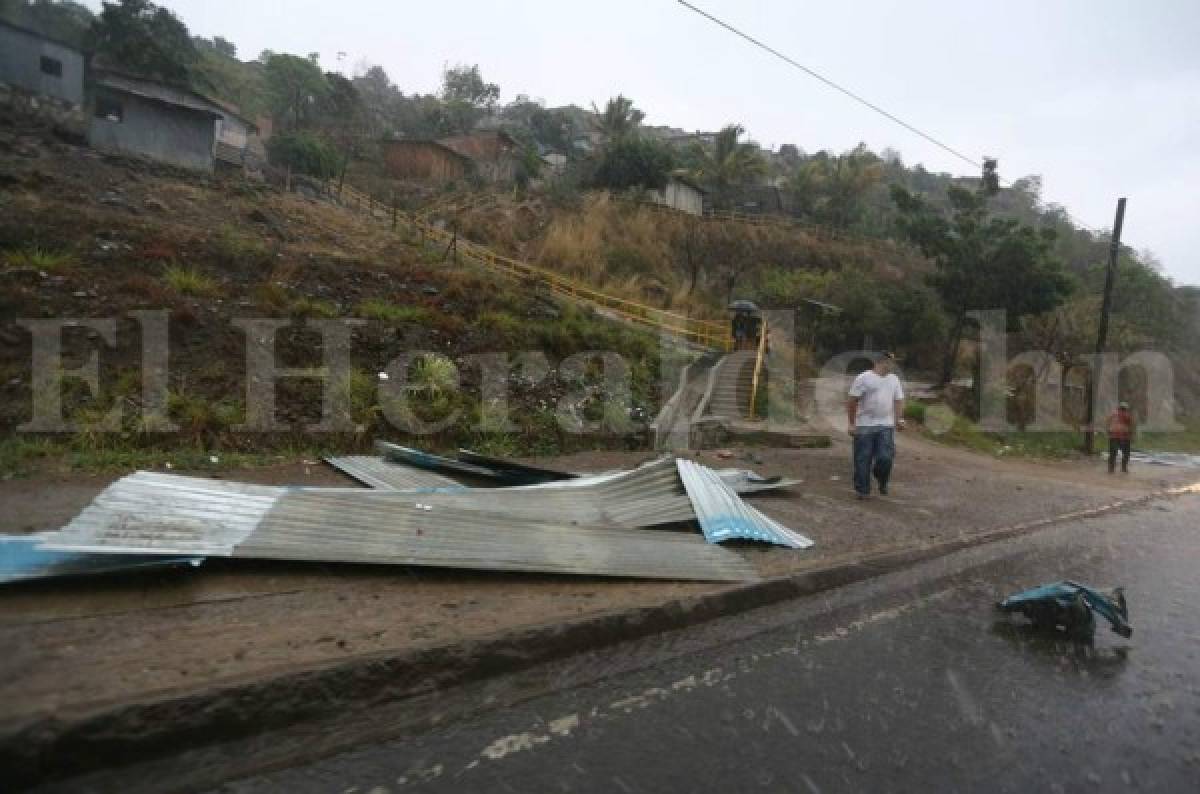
(841, 89)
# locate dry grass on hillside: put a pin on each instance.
(650, 255)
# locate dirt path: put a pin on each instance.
(77, 645)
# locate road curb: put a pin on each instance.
(64, 745)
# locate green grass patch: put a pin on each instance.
(433, 375)
(915, 412)
(967, 434)
(24, 456)
(305, 306)
(501, 324)
(190, 281)
(1186, 440)
(385, 311)
(38, 258)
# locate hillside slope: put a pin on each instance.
(83, 235)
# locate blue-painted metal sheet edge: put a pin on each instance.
(724, 516)
(21, 560)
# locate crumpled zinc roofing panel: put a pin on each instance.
(385, 474)
(375, 472)
(724, 516)
(21, 559)
(646, 496)
(149, 513)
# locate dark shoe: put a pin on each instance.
(883, 490)
(862, 497)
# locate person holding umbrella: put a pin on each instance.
(745, 324)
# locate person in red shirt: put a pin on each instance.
(1121, 426)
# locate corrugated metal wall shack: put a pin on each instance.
(152, 120)
(493, 153)
(681, 196)
(424, 160)
(40, 65)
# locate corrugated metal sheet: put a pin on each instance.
(744, 481)
(158, 92)
(431, 462)
(21, 560)
(724, 516)
(493, 529)
(312, 525)
(533, 474)
(375, 472)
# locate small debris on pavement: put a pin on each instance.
(1069, 606)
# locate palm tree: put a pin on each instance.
(834, 190)
(729, 163)
(619, 119)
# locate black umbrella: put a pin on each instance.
(743, 306)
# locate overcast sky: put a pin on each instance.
(1100, 97)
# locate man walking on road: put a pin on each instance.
(874, 410)
(1121, 426)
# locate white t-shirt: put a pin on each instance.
(877, 396)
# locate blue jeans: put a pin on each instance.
(874, 450)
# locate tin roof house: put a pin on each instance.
(41, 76)
(146, 118)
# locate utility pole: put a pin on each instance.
(1114, 248)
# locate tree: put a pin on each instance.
(295, 86)
(729, 163)
(552, 128)
(64, 20)
(982, 262)
(304, 153)
(467, 96)
(831, 190)
(139, 36)
(218, 44)
(634, 163)
(619, 119)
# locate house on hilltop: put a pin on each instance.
(147, 118)
(41, 76)
(424, 161)
(491, 155)
(681, 193)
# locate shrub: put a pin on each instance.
(202, 419)
(915, 411)
(433, 375)
(500, 324)
(190, 281)
(234, 247)
(634, 163)
(305, 153)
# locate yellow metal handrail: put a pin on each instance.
(758, 365)
(704, 332)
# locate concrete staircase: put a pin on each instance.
(732, 385)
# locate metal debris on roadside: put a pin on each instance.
(621, 523)
(150, 513)
(22, 559)
(390, 472)
(724, 516)
(376, 472)
(1069, 606)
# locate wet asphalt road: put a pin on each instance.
(910, 682)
